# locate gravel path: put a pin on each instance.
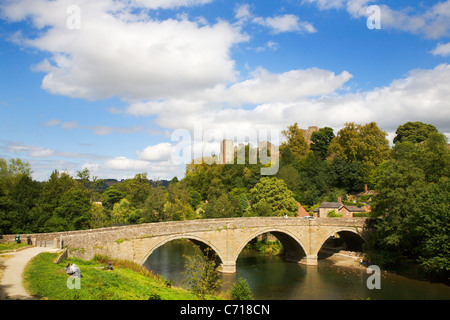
(11, 283)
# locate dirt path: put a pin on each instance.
(11, 284)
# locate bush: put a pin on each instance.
(241, 290)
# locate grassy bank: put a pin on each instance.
(5, 247)
(127, 281)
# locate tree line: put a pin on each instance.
(410, 179)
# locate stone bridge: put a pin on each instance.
(301, 238)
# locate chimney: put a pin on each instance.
(365, 188)
(339, 199)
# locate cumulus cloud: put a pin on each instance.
(422, 95)
(285, 23)
(442, 49)
(159, 152)
(116, 53)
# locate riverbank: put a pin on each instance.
(127, 281)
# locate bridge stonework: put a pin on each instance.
(301, 238)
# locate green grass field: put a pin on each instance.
(128, 281)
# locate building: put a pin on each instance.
(226, 152)
(308, 133)
(338, 207)
(348, 211)
(326, 207)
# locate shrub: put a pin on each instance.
(241, 290)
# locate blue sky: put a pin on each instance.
(105, 84)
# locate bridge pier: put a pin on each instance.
(228, 267)
(310, 260)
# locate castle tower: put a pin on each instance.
(226, 152)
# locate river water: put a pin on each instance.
(272, 278)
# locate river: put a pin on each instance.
(272, 278)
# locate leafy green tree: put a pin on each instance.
(201, 275)
(414, 132)
(99, 218)
(295, 141)
(433, 227)
(88, 183)
(153, 210)
(413, 196)
(72, 213)
(365, 143)
(320, 141)
(220, 207)
(112, 196)
(273, 193)
(350, 176)
(241, 290)
(121, 212)
(137, 189)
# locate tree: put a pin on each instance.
(201, 274)
(367, 144)
(112, 196)
(72, 213)
(320, 141)
(414, 132)
(220, 207)
(433, 224)
(84, 177)
(295, 141)
(137, 189)
(121, 212)
(153, 209)
(241, 290)
(99, 218)
(272, 197)
(413, 196)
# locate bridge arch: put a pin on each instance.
(293, 246)
(197, 240)
(349, 235)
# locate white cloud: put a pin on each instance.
(116, 53)
(442, 49)
(285, 23)
(267, 87)
(423, 95)
(159, 152)
(31, 151)
(242, 12)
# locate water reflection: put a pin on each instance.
(272, 278)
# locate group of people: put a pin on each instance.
(365, 263)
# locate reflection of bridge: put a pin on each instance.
(301, 238)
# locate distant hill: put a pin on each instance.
(109, 182)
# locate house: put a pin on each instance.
(326, 207)
(346, 211)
